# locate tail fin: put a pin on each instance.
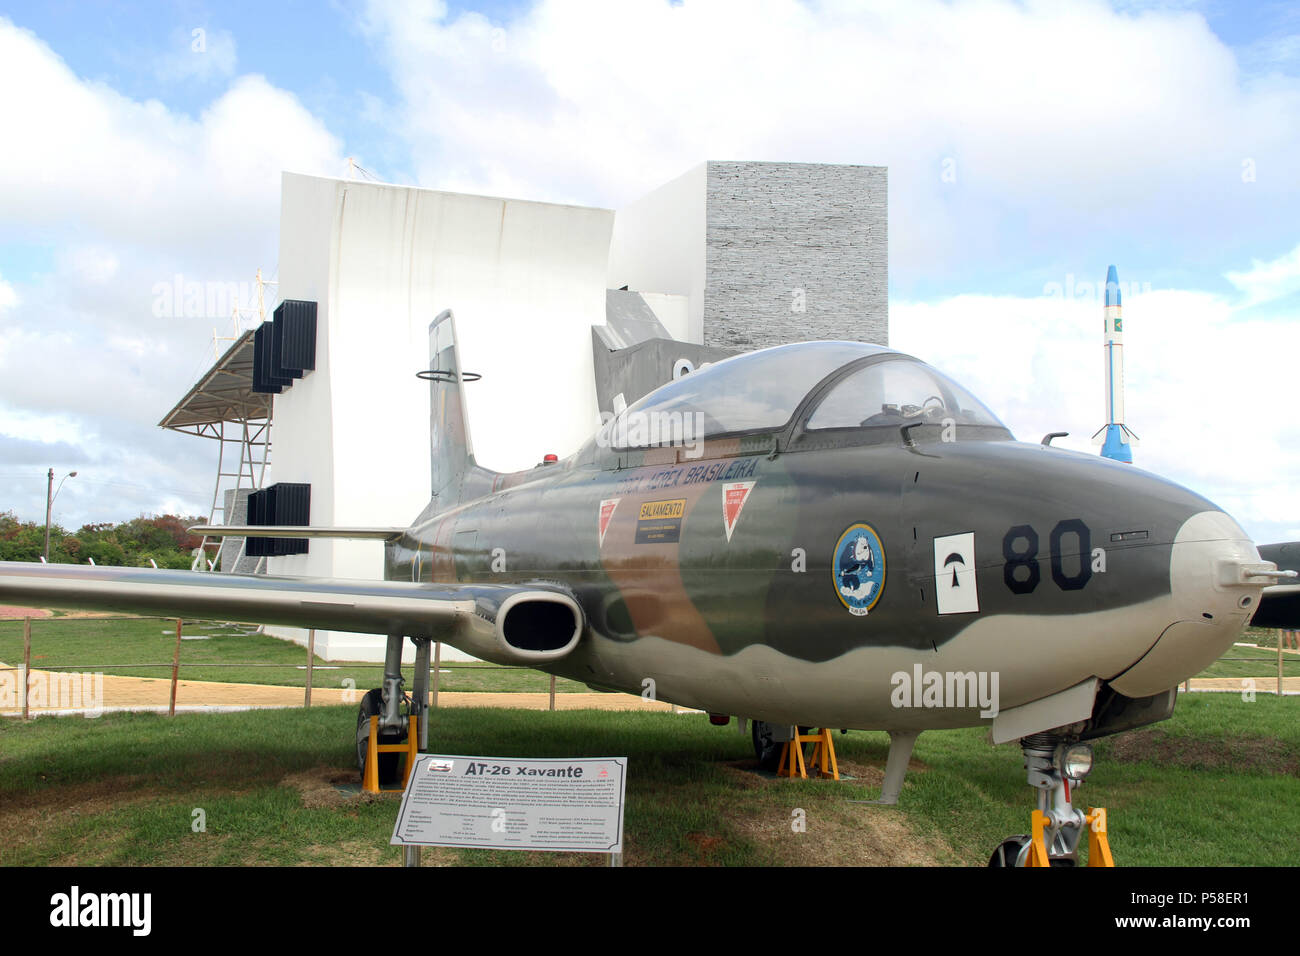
(455, 476)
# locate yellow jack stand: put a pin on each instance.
(1037, 849)
(823, 755)
(1098, 844)
(411, 748)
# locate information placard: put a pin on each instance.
(514, 803)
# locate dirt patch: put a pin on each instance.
(838, 833)
(9, 612)
(704, 843)
(1258, 754)
(745, 773)
(825, 829)
(31, 819)
(319, 787)
(94, 796)
(351, 853)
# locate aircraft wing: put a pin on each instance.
(296, 531)
(517, 624)
(1279, 605)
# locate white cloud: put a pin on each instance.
(1206, 389)
(92, 264)
(133, 172)
(129, 194)
(1266, 281)
(1056, 117)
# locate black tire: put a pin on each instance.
(372, 705)
(766, 750)
(1008, 850)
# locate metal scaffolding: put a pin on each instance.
(223, 406)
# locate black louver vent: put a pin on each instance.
(286, 503)
(284, 349)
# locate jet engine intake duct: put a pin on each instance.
(538, 626)
(529, 627)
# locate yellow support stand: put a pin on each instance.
(823, 755)
(1098, 844)
(373, 749)
(1037, 848)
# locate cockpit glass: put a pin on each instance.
(745, 393)
(897, 392)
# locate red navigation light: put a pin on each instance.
(550, 459)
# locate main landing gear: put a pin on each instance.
(1054, 768)
(387, 702)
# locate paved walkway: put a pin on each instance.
(60, 693)
(55, 692)
(1263, 685)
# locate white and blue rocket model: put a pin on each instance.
(1118, 443)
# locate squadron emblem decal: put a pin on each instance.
(858, 567)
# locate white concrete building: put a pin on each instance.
(719, 254)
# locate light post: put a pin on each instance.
(50, 494)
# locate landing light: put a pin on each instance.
(1075, 761)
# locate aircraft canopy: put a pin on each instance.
(837, 384)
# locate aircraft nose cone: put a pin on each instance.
(1212, 597)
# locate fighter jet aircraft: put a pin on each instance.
(829, 534)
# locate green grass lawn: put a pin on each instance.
(1259, 661)
(226, 652)
(1216, 785)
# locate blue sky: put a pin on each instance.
(1029, 146)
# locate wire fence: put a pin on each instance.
(40, 693)
(35, 695)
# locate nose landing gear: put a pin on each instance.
(1054, 768)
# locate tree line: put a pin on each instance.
(164, 538)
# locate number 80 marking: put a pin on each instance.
(1025, 556)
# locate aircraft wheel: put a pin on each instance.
(766, 750)
(372, 705)
(1008, 850)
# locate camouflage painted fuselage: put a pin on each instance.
(724, 581)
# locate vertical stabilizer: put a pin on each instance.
(454, 476)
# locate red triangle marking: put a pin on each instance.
(734, 496)
(606, 513)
